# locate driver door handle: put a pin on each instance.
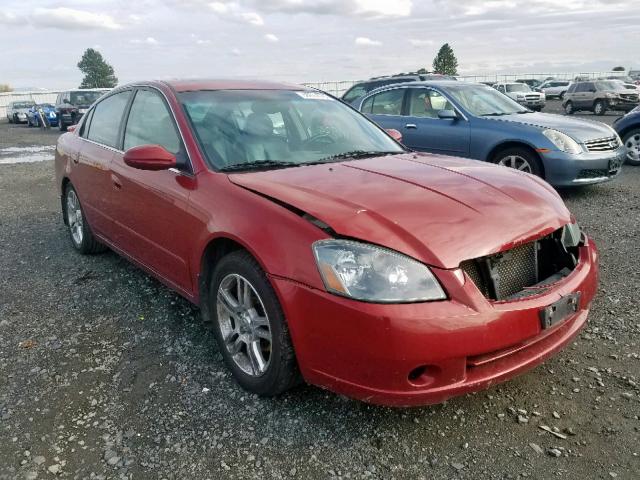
(411, 125)
(117, 184)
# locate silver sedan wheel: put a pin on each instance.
(244, 325)
(517, 162)
(74, 217)
(633, 147)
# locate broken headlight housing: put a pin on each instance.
(370, 273)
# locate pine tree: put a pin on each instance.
(445, 61)
(97, 72)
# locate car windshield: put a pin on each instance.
(23, 105)
(44, 105)
(84, 98)
(518, 87)
(484, 101)
(610, 85)
(251, 129)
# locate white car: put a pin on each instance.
(555, 88)
(522, 93)
(17, 111)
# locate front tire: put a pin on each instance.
(519, 159)
(631, 141)
(599, 108)
(80, 233)
(250, 327)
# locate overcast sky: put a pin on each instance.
(309, 40)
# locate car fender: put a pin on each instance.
(488, 137)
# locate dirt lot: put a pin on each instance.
(104, 373)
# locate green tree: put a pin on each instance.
(445, 61)
(618, 69)
(5, 87)
(97, 72)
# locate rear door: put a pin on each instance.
(424, 130)
(92, 161)
(385, 108)
(152, 209)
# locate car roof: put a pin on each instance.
(228, 84)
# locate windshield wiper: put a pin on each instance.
(494, 114)
(355, 154)
(258, 164)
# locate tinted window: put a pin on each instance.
(518, 87)
(367, 105)
(84, 98)
(388, 103)
(427, 103)
(572, 88)
(85, 126)
(150, 123)
(106, 119)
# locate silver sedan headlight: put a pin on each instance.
(367, 272)
(563, 141)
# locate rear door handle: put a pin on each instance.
(117, 184)
(410, 125)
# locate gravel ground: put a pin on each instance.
(105, 373)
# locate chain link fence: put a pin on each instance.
(338, 87)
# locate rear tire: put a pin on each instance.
(599, 108)
(80, 233)
(568, 108)
(250, 328)
(519, 158)
(631, 141)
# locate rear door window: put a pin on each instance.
(388, 103)
(106, 120)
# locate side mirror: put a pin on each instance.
(447, 115)
(71, 128)
(149, 157)
(395, 134)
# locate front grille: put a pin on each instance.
(524, 270)
(608, 144)
(532, 98)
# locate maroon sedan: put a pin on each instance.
(319, 247)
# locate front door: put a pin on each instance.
(424, 130)
(155, 226)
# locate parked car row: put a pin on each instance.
(68, 110)
(321, 249)
(478, 122)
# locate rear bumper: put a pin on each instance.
(563, 169)
(417, 354)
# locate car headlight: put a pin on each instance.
(370, 273)
(562, 141)
(611, 95)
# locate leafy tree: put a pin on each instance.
(5, 87)
(618, 69)
(97, 72)
(445, 61)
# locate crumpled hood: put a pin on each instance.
(579, 129)
(440, 210)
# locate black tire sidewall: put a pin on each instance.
(241, 263)
(536, 167)
(568, 108)
(595, 108)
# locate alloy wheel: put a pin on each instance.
(74, 217)
(633, 147)
(517, 162)
(244, 325)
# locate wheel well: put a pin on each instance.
(630, 128)
(214, 251)
(505, 146)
